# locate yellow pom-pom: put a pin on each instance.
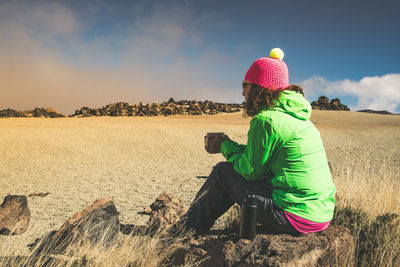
(277, 53)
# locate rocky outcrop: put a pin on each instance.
(44, 113)
(332, 247)
(165, 211)
(11, 113)
(172, 107)
(14, 215)
(324, 104)
(385, 112)
(97, 224)
(37, 112)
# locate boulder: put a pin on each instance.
(165, 211)
(323, 100)
(332, 247)
(335, 104)
(14, 215)
(97, 224)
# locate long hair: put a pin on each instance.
(261, 97)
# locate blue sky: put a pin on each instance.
(69, 54)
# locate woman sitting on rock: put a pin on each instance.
(283, 164)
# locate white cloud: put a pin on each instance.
(378, 92)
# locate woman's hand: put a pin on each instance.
(214, 143)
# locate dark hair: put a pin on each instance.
(261, 97)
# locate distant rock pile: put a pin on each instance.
(11, 113)
(172, 107)
(37, 112)
(324, 104)
(385, 112)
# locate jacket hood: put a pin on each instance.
(293, 103)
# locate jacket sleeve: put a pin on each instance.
(253, 160)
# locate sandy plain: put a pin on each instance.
(134, 159)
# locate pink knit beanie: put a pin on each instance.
(269, 72)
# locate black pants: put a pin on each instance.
(223, 188)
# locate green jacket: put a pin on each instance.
(285, 150)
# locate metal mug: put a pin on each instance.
(207, 137)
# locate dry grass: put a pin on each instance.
(137, 249)
(368, 204)
(133, 160)
(375, 190)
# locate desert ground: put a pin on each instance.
(134, 159)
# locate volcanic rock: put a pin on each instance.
(11, 113)
(324, 104)
(165, 211)
(39, 194)
(37, 112)
(97, 224)
(377, 111)
(14, 215)
(332, 247)
(172, 107)
(46, 113)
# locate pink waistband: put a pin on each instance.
(305, 226)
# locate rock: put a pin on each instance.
(323, 100)
(377, 111)
(165, 211)
(46, 113)
(172, 107)
(11, 113)
(97, 224)
(332, 247)
(14, 215)
(324, 104)
(37, 112)
(39, 194)
(147, 210)
(335, 104)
